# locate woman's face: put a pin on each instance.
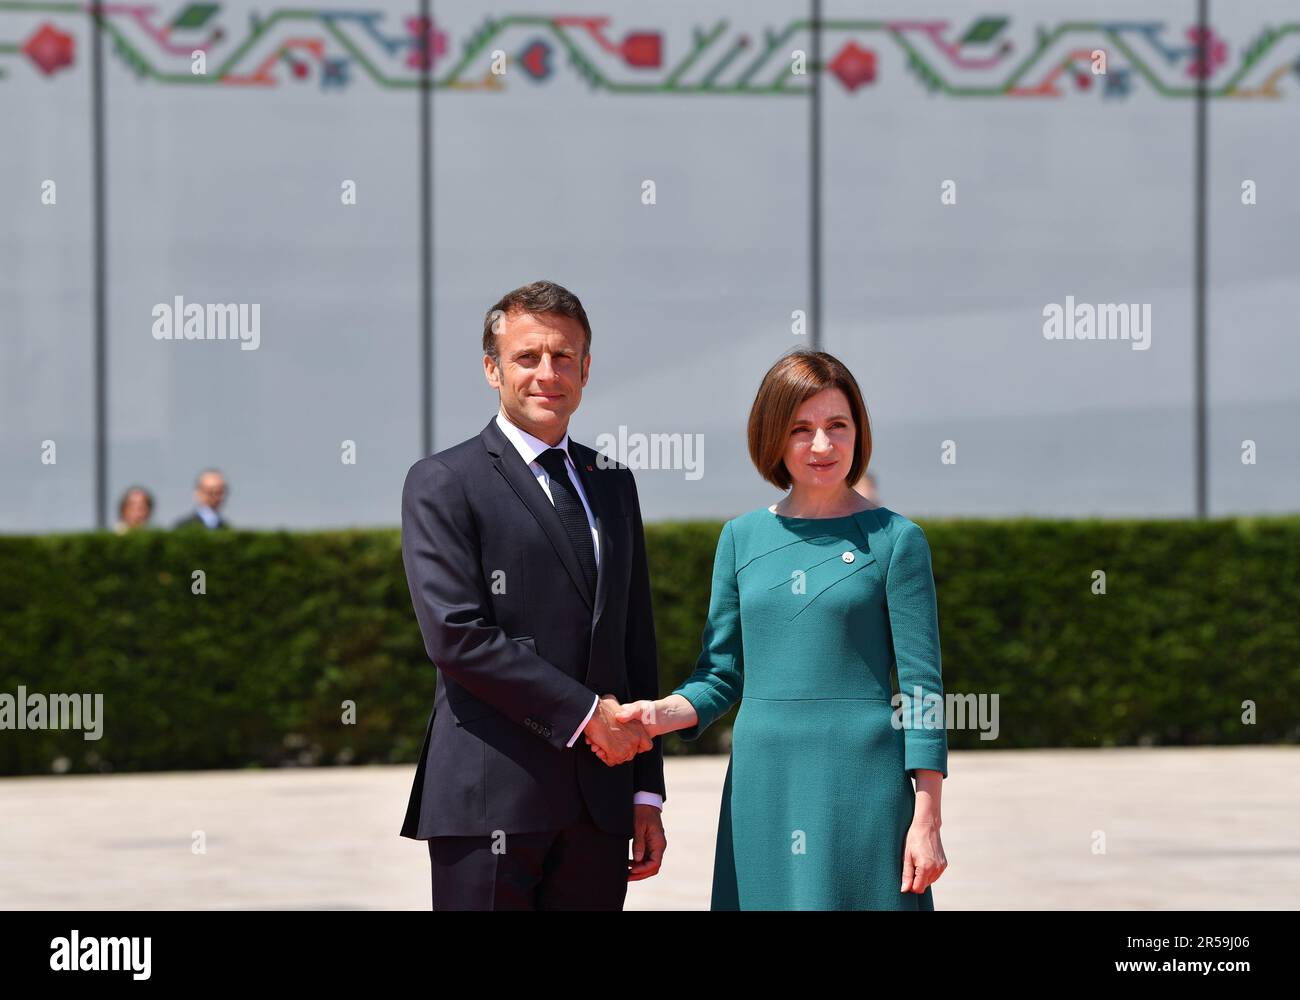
(822, 440)
(135, 511)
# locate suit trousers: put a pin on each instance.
(581, 867)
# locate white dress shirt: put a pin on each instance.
(529, 447)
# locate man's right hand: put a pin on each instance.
(613, 741)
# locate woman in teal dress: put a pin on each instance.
(813, 601)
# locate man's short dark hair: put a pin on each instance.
(537, 298)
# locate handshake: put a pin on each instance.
(617, 733)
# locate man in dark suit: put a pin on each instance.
(525, 556)
(209, 495)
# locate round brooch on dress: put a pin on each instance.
(847, 557)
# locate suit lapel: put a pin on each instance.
(521, 479)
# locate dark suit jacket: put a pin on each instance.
(521, 645)
(194, 521)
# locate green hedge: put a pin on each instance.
(1198, 617)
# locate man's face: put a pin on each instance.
(211, 490)
(541, 372)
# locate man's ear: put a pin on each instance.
(586, 369)
(491, 373)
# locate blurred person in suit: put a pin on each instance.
(525, 557)
(209, 494)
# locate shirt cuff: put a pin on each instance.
(648, 799)
(595, 701)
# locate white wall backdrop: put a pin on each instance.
(225, 186)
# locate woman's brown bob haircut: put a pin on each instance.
(799, 376)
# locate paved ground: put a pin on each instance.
(1184, 829)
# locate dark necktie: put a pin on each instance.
(569, 506)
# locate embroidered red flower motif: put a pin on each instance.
(1216, 52)
(50, 49)
(854, 66)
(434, 42)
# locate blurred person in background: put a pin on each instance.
(134, 510)
(866, 487)
(209, 494)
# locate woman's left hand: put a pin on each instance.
(645, 712)
(923, 857)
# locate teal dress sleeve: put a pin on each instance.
(914, 622)
(718, 680)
